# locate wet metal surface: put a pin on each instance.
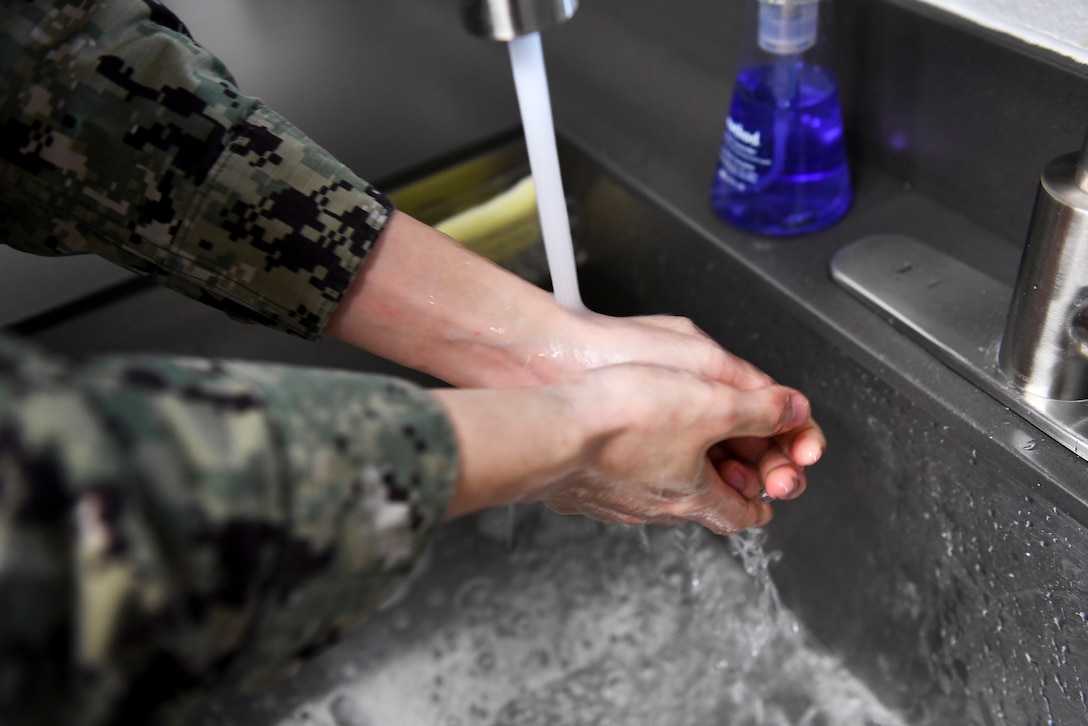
(956, 312)
(939, 551)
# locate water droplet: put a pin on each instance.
(476, 596)
(537, 659)
(1030, 445)
(485, 663)
(346, 711)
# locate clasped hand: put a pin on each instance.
(652, 423)
(641, 419)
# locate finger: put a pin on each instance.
(762, 463)
(785, 483)
(718, 453)
(742, 374)
(781, 477)
(746, 480)
(722, 509)
(759, 412)
(608, 515)
(805, 444)
(748, 449)
(728, 513)
(704, 355)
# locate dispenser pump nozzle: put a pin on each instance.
(788, 27)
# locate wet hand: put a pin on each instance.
(681, 448)
(630, 443)
(592, 340)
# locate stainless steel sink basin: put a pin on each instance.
(930, 575)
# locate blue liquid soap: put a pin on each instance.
(782, 168)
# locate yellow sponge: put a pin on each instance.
(501, 227)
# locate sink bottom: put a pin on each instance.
(525, 618)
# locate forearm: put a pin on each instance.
(425, 301)
(514, 445)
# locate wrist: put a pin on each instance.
(514, 445)
(425, 301)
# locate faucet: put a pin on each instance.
(507, 19)
(519, 23)
(1031, 354)
(1044, 350)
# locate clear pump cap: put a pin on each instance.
(788, 26)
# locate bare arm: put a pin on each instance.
(425, 301)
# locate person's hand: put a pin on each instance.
(628, 443)
(590, 340)
(426, 302)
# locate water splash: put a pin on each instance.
(608, 625)
(748, 547)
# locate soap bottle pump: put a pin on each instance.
(782, 169)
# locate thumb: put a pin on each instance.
(759, 412)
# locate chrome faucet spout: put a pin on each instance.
(1044, 351)
(507, 19)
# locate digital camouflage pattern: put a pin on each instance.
(120, 136)
(169, 525)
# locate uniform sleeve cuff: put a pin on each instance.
(372, 464)
(281, 227)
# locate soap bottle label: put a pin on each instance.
(743, 158)
(782, 167)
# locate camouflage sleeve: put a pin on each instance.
(165, 524)
(120, 136)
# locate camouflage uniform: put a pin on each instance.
(122, 137)
(169, 524)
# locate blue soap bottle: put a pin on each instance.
(782, 169)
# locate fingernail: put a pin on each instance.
(734, 479)
(790, 412)
(791, 486)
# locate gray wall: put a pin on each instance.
(385, 86)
